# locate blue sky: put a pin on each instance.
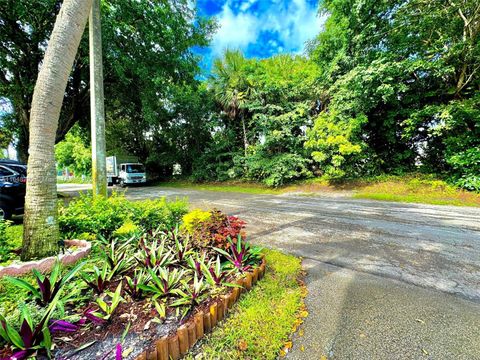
(260, 28)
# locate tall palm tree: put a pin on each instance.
(231, 88)
(41, 231)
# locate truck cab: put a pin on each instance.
(124, 171)
(132, 173)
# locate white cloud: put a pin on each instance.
(294, 22)
(247, 4)
(235, 30)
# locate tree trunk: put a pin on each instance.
(99, 162)
(245, 141)
(41, 233)
(22, 145)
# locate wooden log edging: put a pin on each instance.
(177, 345)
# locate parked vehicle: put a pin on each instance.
(12, 188)
(125, 171)
(15, 166)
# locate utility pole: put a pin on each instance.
(97, 106)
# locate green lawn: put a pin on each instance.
(239, 187)
(414, 188)
(263, 320)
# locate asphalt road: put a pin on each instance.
(386, 280)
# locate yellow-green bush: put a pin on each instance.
(193, 219)
(127, 229)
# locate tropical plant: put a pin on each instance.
(241, 257)
(161, 310)
(33, 336)
(164, 283)
(231, 88)
(182, 248)
(108, 308)
(214, 230)
(48, 286)
(90, 315)
(154, 254)
(196, 262)
(214, 274)
(97, 279)
(191, 295)
(117, 256)
(132, 286)
(41, 233)
(62, 326)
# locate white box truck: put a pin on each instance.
(125, 171)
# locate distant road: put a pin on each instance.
(73, 187)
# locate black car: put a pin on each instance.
(13, 178)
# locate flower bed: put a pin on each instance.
(178, 344)
(146, 296)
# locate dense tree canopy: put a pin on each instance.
(147, 51)
(402, 79)
(263, 110)
(387, 86)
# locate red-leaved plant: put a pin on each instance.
(216, 230)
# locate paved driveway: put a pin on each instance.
(386, 280)
(431, 246)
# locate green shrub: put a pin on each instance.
(104, 216)
(127, 229)
(3, 227)
(276, 170)
(10, 240)
(466, 166)
(469, 182)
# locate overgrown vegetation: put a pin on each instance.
(396, 96)
(379, 94)
(263, 320)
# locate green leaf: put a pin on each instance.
(26, 316)
(24, 285)
(14, 337)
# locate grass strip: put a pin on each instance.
(417, 190)
(262, 321)
(246, 188)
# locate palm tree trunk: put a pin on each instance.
(41, 233)
(245, 141)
